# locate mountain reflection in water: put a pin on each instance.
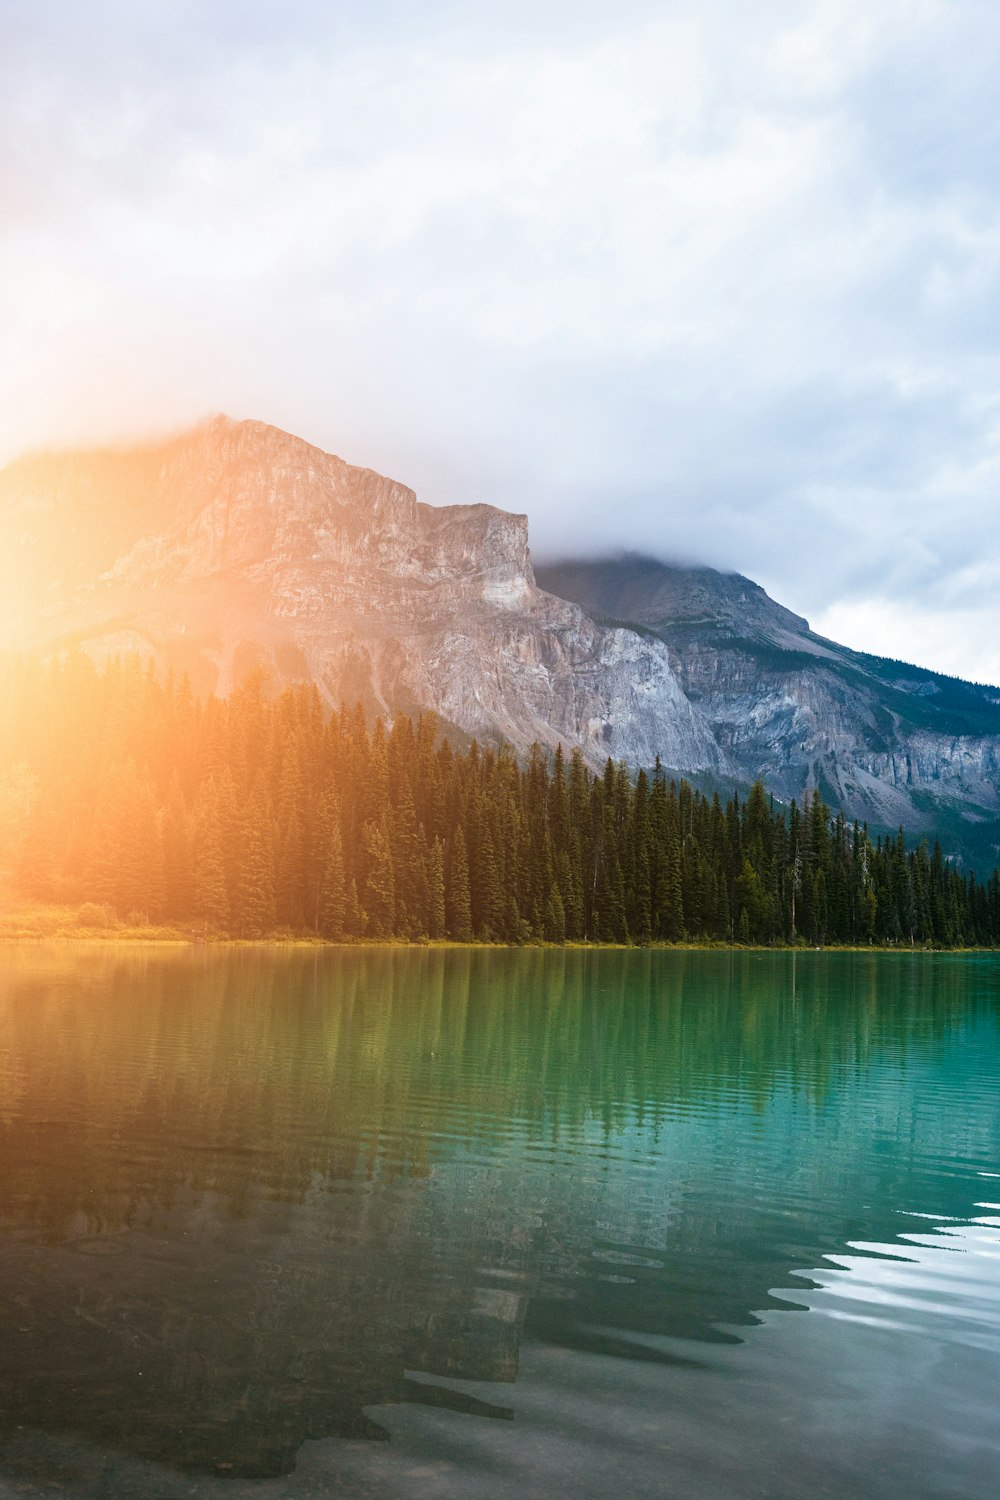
(247, 1196)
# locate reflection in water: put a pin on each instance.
(247, 1197)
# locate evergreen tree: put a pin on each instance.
(333, 895)
(254, 813)
(380, 879)
(253, 912)
(436, 894)
(210, 899)
(458, 903)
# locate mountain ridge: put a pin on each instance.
(236, 546)
(885, 740)
(272, 554)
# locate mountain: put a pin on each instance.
(237, 546)
(890, 743)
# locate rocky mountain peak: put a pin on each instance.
(887, 743)
(237, 546)
(643, 590)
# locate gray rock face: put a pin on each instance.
(887, 742)
(237, 547)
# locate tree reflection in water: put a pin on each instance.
(247, 1195)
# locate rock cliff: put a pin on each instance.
(237, 546)
(890, 743)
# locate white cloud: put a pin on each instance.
(962, 642)
(703, 279)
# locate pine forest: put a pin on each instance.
(253, 816)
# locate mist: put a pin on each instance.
(684, 280)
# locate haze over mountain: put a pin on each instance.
(715, 279)
(236, 546)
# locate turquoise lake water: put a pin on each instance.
(498, 1224)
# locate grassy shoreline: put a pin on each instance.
(25, 921)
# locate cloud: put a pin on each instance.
(702, 280)
(961, 640)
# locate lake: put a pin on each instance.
(491, 1223)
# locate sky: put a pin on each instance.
(713, 281)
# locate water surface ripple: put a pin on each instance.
(493, 1224)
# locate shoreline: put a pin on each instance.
(23, 921)
(135, 938)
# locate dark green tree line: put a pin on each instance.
(252, 815)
